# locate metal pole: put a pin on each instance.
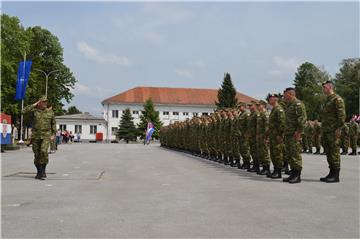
(46, 89)
(21, 141)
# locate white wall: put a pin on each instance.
(166, 119)
(85, 135)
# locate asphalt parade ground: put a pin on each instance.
(132, 191)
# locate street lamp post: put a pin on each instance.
(47, 78)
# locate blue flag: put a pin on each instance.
(22, 79)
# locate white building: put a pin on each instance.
(84, 124)
(173, 104)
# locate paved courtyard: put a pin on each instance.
(121, 191)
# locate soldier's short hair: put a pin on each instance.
(289, 88)
(327, 82)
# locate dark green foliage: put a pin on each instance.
(149, 114)
(45, 50)
(226, 94)
(127, 130)
(347, 83)
(308, 88)
(72, 110)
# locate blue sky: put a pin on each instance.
(114, 46)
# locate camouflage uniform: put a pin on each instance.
(263, 149)
(333, 119)
(316, 138)
(276, 139)
(344, 139)
(295, 118)
(243, 119)
(252, 140)
(44, 126)
(353, 134)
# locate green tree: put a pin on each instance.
(226, 94)
(45, 50)
(149, 114)
(127, 130)
(347, 83)
(72, 110)
(308, 79)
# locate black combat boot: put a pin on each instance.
(226, 159)
(286, 168)
(43, 175)
(330, 174)
(310, 151)
(38, 174)
(265, 170)
(344, 152)
(255, 168)
(353, 152)
(231, 161)
(246, 165)
(276, 173)
(335, 177)
(296, 178)
(291, 176)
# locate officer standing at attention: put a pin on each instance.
(333, 119)
(43, 131)
(295, 118)
(276, 134)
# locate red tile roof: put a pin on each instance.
(164, 95)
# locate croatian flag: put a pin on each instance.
(22, 79)
(149, 131)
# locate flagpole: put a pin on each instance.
(22, 107)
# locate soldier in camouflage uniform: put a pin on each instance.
(295, 118)
(344, 139)
(316, 138)
(252, 123)
(285, 169)
(44, 129)
(353, 134)
(309, 134)
(261, 131)
(243, 139)
(275, 135)
(333, 119)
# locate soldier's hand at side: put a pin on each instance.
(52, 137)
(279, 139)
(337, 133)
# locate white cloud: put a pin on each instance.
(198, 63)
(81, 89)
(275, 73)
(93, 54)
(288, 64)
(184, 73)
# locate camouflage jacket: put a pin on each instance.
(276, 122)
(333, 114)
(295, 117)
(43, 122)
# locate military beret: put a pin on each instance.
(272, 95)
(327, 82)
(289, 88)
(261, 102)
(241, 104)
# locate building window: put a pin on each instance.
(195, 113)
(62, 127)
(115, 114)
(135, 112)
(185, 113)
(93, 129)
(205, 113)
(114, 130)
(176, 113)
(78, 129)
(166, 113)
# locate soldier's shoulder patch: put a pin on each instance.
(298, 103)
(281, 110)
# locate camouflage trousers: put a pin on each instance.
(276, 152)
(263, 152)
(332, 149)
(254, 150)
(244, 150)
(316, 141)
(353, 142)
(344, 143)
(40, 148)
(293, 152)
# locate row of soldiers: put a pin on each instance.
(350, 137)
(259, 139)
